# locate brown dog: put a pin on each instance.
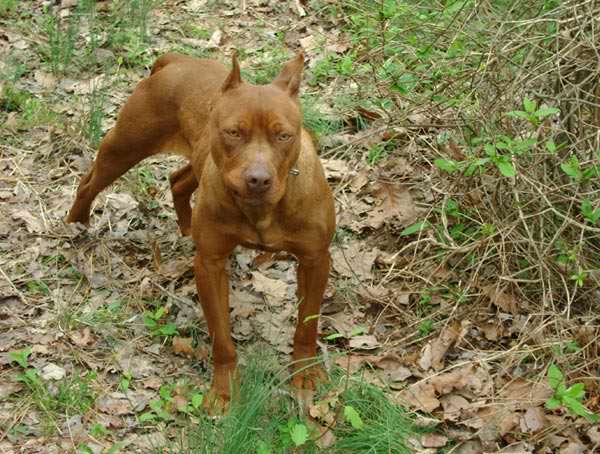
(261, 185)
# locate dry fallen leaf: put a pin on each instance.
(115, 403)
(274, 290)
(33, 223)
(82, 337)
(447, 338)
(420, 395)
(353, 363)
(533, 420)
(8, 388)
(183, 346)
(366, 342)
(504, 301)
(453, 405)
(395, 202)
(336, 169)
(433, 440)
(493, 422)
(52, 372)
(523, 394)
(355, 260)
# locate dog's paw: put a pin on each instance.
(309, 378)
(185, 229)
(216, 403)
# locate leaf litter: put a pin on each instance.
(65, 290)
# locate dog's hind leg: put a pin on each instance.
(183, 184)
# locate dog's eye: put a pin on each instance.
(232, 133)
(284, 137)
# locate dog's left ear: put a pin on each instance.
(234, 79)
(291, 75)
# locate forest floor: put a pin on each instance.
(103, 346)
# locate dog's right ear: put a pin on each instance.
(234, 79)
(291, 75)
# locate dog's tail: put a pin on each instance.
(164, 60)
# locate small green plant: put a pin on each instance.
(158, 413)
(567, 347)
(157, 325)
(93, 125)
(99, 431)
(21, 357)
(68, 396)
(579, 277)
(162, 408)
(578, 172)
(353, 417)
(590, 214)
(416, 228)
(502, 161)
(570, 398)
(38, 287)
(293, 434)
(425, 327)
(61, 38)
(356, 331)
(532, 113)
(125, 381)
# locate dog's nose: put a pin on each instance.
(258, 179)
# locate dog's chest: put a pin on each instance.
(270, 238)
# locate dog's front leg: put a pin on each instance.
(213, 289)
(313, 272)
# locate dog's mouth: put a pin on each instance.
(251, 199)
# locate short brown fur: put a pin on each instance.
(261, 185)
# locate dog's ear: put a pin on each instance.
(234, 79)
(291, 75)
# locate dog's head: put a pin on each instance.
(256, 133)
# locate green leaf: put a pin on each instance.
(164, 415)
(490, 149)
(114, 449)
(447, 165)
(576, 407)
(551, 146)
(518, 114)
(577, 391)
(553, 403)
(571, 168)
(415, 228)
(333, 336)
(353, 417)
(197, 400)
(149, 322)
(591, 215)
(20, 357)
(477, 164)
(98, 430)
(263, 448)
(146, 417)
(170, 329)
(529, 105)
(506, 168)
(156, 405)
(299, 434)
(546, 112)
(165, 392)
(555, 377)
(586, 208)
(308, 318)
